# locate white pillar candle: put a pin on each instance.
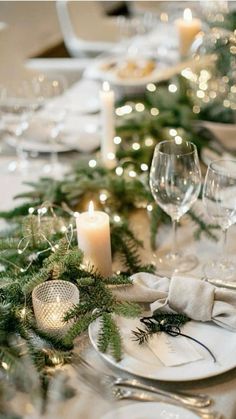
(187, 28)
(107, 98)
(93, 232)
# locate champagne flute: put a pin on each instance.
(219, 199)
(175, 181)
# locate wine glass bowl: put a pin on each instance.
(175, 182)
(175, 177)
(219, 199)
(51, 89)
(18, 102)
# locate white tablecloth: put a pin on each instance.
(221, 388)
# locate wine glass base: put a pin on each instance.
(17, 166)
(220, 269)
(171, 263)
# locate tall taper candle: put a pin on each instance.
(93, 232)
(107, 98)
(188, 28)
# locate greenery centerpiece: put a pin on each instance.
(39, 243)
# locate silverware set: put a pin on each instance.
(134, 389)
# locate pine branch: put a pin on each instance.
(118, 280)
(18, 211)
(109, 336)
(79, 327)
(203, 228)
(127, 309)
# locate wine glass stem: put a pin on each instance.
(174, 229)
(54, 159)
(223, 243)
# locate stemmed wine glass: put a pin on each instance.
(219, 198)
(51, 89)
(175, 181)
(18, 102)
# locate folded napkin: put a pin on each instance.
(224, 133)
(196, 298)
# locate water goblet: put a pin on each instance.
(175, 181)
(219, 199)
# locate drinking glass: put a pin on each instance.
(18, 101)
(51, 89)
(219, 198)
(175, 181)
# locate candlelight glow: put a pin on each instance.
(188, 15)
(91, 209)
(105, 86)
(58, 299)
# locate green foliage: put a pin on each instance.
(37, 248)
(109, 337)
(127, 309)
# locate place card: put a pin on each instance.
(173, 351)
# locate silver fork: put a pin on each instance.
(127, 394)
(187, 399)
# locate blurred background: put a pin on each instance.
(43, 29)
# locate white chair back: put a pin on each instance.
(84, 28)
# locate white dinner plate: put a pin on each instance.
(141, 361)
(31, 145)
(150, 411)
(81, 133)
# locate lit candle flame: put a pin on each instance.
(58, 299)
(91, 209)
(188, 15)
(105, 86)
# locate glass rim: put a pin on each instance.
(157, 147)
(51, 283)
(224, 169)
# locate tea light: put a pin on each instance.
(107, 98)
(188, 28)
(51, 301)
(93, 232)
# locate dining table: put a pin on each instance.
(88, 403)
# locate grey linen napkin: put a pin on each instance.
(196, 298)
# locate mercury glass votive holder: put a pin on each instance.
(51, 301)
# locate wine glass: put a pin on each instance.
(219, 199)
(51, 89)
(18, 101)
(175, 181)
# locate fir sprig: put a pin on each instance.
(109, 336)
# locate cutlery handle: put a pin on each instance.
(203, 413)
(187, 399)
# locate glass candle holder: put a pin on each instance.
(51, 301)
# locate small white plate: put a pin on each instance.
(162, 71)
(141, 361)
(150, 411)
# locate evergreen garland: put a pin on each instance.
(46, 252)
